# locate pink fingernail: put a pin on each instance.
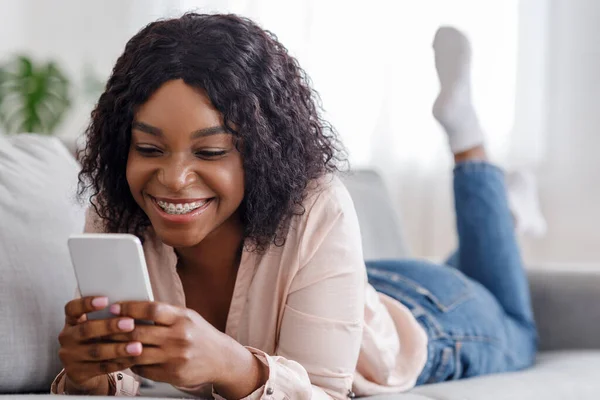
(100, 302)
(125, 324)
(115, 309)
(134, 348)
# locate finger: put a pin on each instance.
(75, 309)
(153, 372)
(75, 321)
(151, 355)
(97, 329)
(103, 351)
(154, 335)
(159, 313)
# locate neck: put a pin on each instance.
(216, 256)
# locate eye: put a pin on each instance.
(148, 151)
(210, 154)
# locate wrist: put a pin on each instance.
(98, 385)
(241, 372)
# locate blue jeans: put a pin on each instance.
(476, 309)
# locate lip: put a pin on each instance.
(180, 218)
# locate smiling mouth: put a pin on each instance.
(181, 208)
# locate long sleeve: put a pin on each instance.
(120, 384)
(321, 329)
(323, 320)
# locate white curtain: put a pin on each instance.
(372, 63)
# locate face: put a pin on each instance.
(183, 169)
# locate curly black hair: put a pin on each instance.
(258, 87)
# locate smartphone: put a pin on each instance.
(110, 265)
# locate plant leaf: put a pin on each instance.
(34, 97)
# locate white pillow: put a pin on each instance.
(38, 211)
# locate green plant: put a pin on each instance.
(34, 97)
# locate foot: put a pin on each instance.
(524, 203)
(453, 108)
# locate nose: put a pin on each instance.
(176, 174)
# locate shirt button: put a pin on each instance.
(269, 391)
(120, 376)
(351, 394)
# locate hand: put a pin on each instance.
(181, 348)
(85, 357)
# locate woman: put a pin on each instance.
(208, 145)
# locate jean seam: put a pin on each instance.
(446, 357)
(485, 339)
(475, 338)
(457, 363)
(424, 291)
(434, 329)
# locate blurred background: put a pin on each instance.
(535, 87)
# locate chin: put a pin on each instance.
(181, 239)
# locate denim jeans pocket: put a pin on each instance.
(442, 286)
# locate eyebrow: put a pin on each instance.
(152, 130)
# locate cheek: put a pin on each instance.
(228, 182)
(136, 174)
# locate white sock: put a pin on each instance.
(453, 107)
(524, 203)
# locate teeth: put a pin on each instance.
(179, 209)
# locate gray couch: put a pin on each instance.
(36, 280)
(567, 308)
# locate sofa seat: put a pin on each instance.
(558, 375)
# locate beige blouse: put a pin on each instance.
(306, 310)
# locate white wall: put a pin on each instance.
(77, 34)
(570, 182)
(11, 29)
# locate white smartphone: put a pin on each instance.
(111, 265)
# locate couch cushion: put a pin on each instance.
(38, 178)
(379, 220)
(559, 297)
(557, 375)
